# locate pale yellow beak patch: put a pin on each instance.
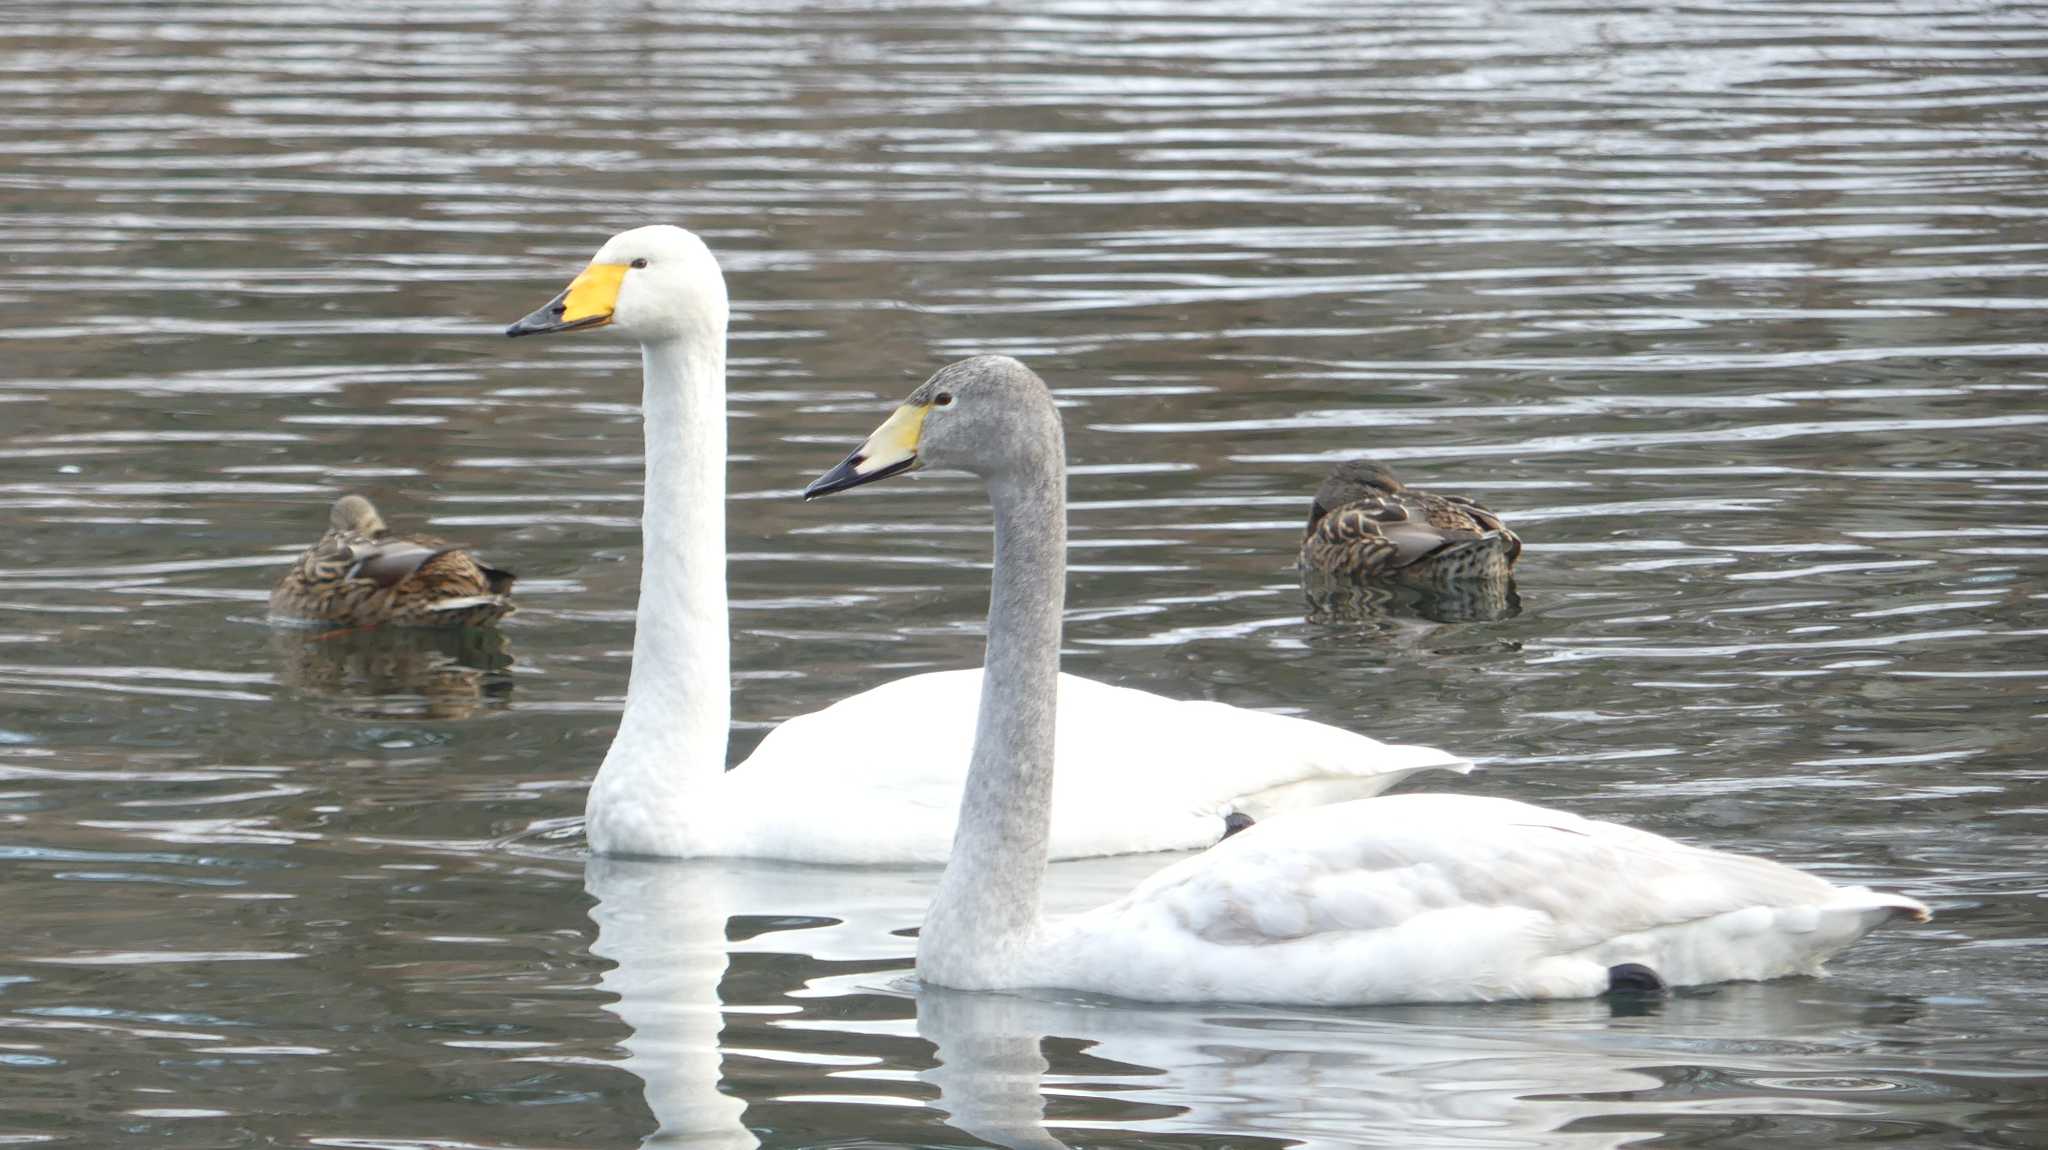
(895, 442)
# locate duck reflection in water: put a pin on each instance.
(1348, 600)
(398, 673)
(1376, 548)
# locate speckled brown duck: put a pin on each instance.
(1365, 524)
(362, 575)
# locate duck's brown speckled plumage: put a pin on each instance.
(1364, 524)
(362, 575)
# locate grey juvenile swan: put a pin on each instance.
(1407, 898)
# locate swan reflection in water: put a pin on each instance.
(663, 925)
(1580, 1074)
(1586, 1073)
(398, 672)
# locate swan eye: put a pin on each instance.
(639, 263)
(943, 399)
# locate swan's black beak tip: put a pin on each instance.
(548, 318)
(850, 473)
(891, 450)
(545, 318)
(838, 479)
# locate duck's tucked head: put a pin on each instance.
(355, 515)
(655, 284)
(1349, 482)
(989, 415)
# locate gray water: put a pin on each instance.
(1734, 310)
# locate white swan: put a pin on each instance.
(1408, 898)
(874, 778)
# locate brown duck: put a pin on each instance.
(1365, 524)
(361, 575)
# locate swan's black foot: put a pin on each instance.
(1234, 822)
(1633, 978)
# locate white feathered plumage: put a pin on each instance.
(876, 778)
(1441, 898)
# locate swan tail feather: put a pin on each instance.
(1875, 908)
(1337, 787)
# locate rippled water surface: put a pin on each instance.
(1734, 311)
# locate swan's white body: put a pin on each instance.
(877, 777)
(1441, 898)
(863, 782)
(1405, 898)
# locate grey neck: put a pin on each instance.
(988, 899)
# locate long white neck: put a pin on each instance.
(987, 908)
(670, 749)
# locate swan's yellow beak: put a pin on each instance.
(890, 450)
(588, 301)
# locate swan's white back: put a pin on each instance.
(877, 777)
(1443, 898)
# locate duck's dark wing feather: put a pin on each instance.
(386, 563)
